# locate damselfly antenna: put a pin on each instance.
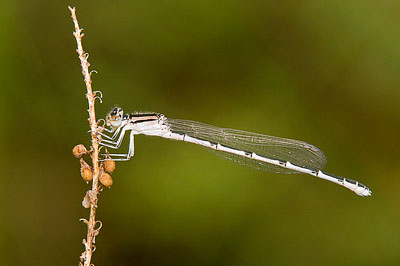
(258, 151)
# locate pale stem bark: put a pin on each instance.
(92, 232)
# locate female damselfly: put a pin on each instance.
(257, 151)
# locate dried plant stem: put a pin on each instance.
(91, 223)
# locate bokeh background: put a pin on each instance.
(326, 72)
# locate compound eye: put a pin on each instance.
(115, 111)
(120, 112)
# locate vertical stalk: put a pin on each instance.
(86, 256)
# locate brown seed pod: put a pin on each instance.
(109, 164)
(106, 179)
(86, 171)
(79, 150)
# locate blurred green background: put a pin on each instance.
(326, 72)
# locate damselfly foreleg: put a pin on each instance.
(127, 156)
(114, 144)
(110, 131)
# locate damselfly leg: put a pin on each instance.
(117, 144)
(110, 131)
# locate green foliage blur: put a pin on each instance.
(326, 72)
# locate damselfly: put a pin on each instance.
(257, 151)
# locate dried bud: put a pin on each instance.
(79, 150)
(86, 171)
(86, 201)
(109, 164)
(106, 179)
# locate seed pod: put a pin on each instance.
(109, 164)
(86, 171)
(79, 150)
(106, 179)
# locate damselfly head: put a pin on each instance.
(114, 117)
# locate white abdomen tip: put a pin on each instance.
(357, 187)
